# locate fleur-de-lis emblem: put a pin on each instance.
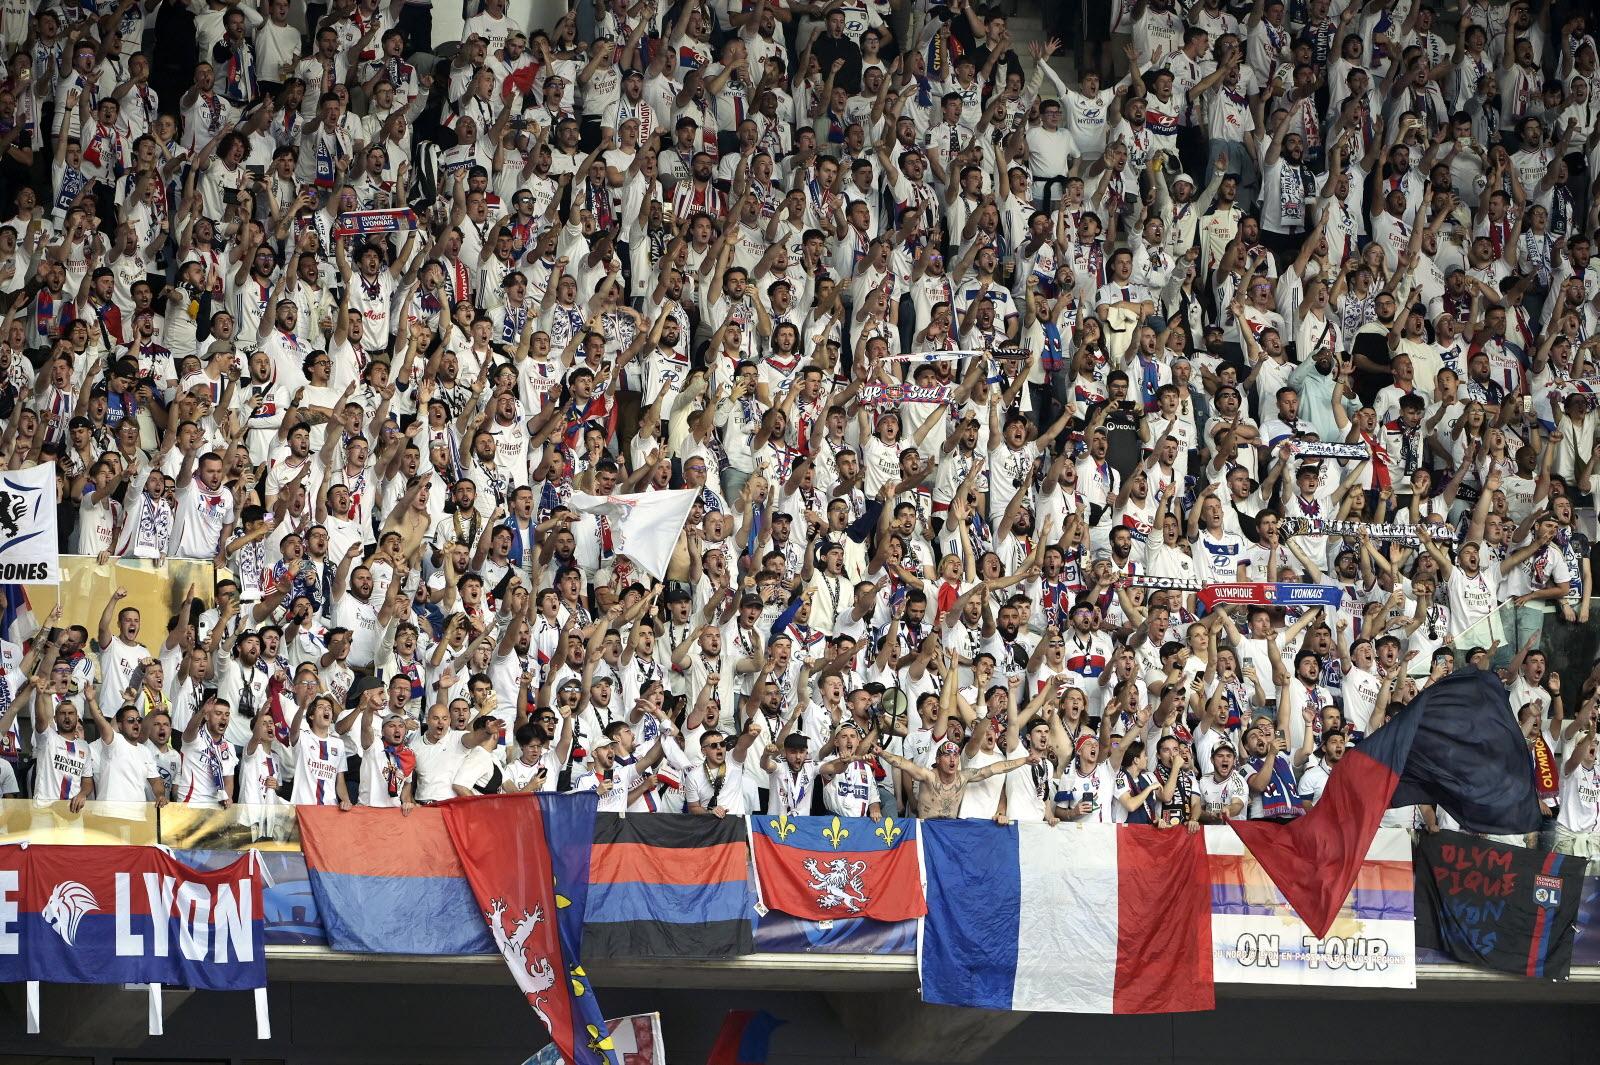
(562, 902)
(782, 827)
(835, 833)
(888, 832)
(599, 1043)
(577, 984)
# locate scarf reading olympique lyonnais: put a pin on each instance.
(378, 220)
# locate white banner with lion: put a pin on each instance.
(29, 550)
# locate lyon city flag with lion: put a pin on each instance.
(527, 860)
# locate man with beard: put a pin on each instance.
(1289, 186)
(1314, 777)
(698, 195)
(1373, 350)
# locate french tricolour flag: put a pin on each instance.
(1071, 918)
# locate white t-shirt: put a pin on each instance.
(201, 516)
(982, 797)
(477, 772)
(378, 774)
(1473, 598)
(788, 792)
(61, 765)
(436, 766)
(623, 778)
(318, 761)
(203, 776)
(729, 795)
(1580, 800)
(1222, 793)
(125, 771)
(1360, 697)
(118, 662)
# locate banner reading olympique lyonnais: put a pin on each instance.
(1258, 939)
(29, 550)
(377, 220)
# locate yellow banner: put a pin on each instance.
(154, 589)
(98, 823)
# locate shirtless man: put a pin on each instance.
(943, 786)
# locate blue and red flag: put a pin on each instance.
(745, 1039)
(1456, 746)
(134, 915)
(824, 869)
(527, 859)
(389, 884)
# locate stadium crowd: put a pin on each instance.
(981, 378)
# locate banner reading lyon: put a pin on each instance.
(129, 915)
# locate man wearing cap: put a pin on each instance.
(1222, 791)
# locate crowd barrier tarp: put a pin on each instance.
(292, 916)
(1257, 938)
(779, 933)
(99, 823)
(112, 915)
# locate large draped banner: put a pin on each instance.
(527, 859)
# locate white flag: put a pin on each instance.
(29, 550)
(644, 526)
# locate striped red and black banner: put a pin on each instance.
(669, 886)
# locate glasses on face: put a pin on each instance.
(712, 746)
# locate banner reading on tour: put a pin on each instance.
(1258, 939)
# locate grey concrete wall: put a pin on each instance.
(358, 1024)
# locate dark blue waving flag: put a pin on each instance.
(1456, 746)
